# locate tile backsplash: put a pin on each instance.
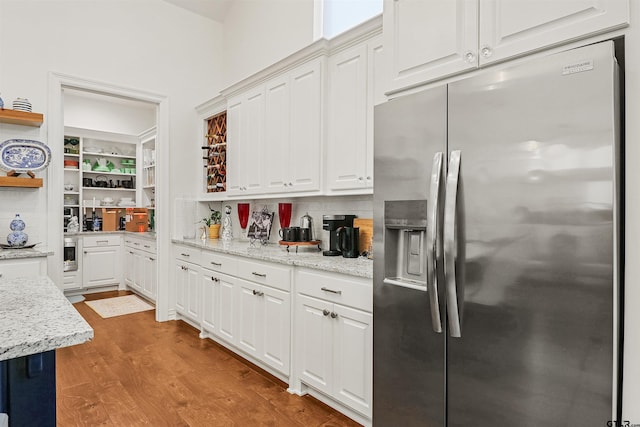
(316, 207)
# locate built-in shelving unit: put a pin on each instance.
(216, 153)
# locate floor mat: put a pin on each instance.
(119, 306)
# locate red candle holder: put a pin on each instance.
(243, 214)
(284, 214)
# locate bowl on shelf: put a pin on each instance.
(69, 187)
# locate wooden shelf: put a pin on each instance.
(12, 181)
(21, 118)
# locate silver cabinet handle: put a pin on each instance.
(129, 252)
(334, 315)
(434, 240)
(331, 290)
(325, 312)
(151, 259)
(486, 51)
(183, 254)
(258, 274)
(147, 246)
(451, 230)
(215, 279)
(217, 264)
(258, 293)
(102, 242)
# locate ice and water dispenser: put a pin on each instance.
(405, 229)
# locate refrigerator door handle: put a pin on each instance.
(433, 240)
(450, 243)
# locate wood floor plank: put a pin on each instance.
(139, 372)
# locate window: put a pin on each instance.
(333, 17)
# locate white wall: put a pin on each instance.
(259, 33)
(147, 45)
(107, 113)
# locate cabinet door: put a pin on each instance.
(234, 145)
(305, 120)
(252, 141)
(347, 139)
(353, 355)
(276, 329)
(193, 293)
(427, 40)
(101, 266)
(210, 301)
(129, 267)
(181, 277)
(227, 309)
(276, 135)
(510, 28)
(250, 317)
(314, 343)
(138, 271)
(149, 276)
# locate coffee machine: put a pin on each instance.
(332, 223)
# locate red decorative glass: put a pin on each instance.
(243, 214)
(284, 213)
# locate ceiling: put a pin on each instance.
(212, 9)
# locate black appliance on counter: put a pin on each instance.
(332, 223)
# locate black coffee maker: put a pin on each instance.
(332, 223)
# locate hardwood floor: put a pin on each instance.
(138, 372)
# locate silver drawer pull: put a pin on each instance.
(217, 264)
(258, 274)
(215, 279)
(102, 242)
(258, 293)
(151, 259)
(325, 312)
(183, 254)
(331, 290)
(334, 315)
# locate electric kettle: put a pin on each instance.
(307, 222)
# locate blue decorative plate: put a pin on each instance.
(24, 155)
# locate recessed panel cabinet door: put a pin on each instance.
(306, 128)
(276, 325)
(101, 266)
(430, 39)
(250, 316)
(180, 279)
(276, 135)
(234, 145)
(227, 310)
(149, 276)
(315, 343)
(209, 302)
(510, 28)
(252, 159)
(353, 370)
(193, 294)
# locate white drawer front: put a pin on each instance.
(186, 253)
(274, 275)
(346, 290)
(101, 240)
(218, 262)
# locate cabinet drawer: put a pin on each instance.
(218, 262)
(103, 240)
(186, 253)
(269, 274)
(350, 291)
(141, 244)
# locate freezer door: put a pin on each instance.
(409, 355)
(538, 144)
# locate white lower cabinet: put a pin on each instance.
(264, 324)
(23, 267)
(188, 280)
(334, 337)
(140, 266)
(101, 261)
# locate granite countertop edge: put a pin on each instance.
(306, 257)
(24, 253)
(37, 317)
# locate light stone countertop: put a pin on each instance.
(149, 235)
(309, 257)
(36, 317)
(24, 253)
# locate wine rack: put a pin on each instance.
(216, 153)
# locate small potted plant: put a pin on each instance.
(213, 222)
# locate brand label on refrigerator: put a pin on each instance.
(578, 67)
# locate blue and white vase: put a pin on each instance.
(17, 237)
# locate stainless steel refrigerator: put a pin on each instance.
(496, 215)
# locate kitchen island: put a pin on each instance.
(36, 320)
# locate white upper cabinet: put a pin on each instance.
(354, 88)
(428, 40)
(245, 139)
(293, 130)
